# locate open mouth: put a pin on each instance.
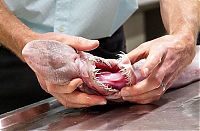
(110, 76)
(59, 63)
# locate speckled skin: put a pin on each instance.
(58, 63)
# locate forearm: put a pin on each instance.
(13, 33)
(199, 14)
(181, 17)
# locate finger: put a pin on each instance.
(170, 70)
(148, 101)
(146, 97)
(42, 82)
(160, 75)
(154, 59)
(62, 100)
(170, 80)
(79, 98)
(81, 44)
(139, 53)
(67, 88)
(148, 84)
(85, 99)
(153, 81)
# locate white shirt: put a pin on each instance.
(87, 18)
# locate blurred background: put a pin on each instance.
(145, 24)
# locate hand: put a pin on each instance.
(70, 98)
(165, 57)
(66, 94)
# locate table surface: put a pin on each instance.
(177, 109)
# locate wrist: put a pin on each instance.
(187, 37)
(187, 43)
(24, 38)
(188, 32)
(21, 39)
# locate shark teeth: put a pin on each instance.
(92, 59)
(110, 89)
(121, 56)
(97, 82)
(124, 68)
(96, 71)
(100, 60)
(127, 74)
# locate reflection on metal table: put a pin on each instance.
(177, 109)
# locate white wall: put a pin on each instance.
(135, 26)
(134, 31)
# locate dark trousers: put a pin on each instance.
(18, 84)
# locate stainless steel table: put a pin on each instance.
(177, 110)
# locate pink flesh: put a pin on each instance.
(114, 80)
(59, 64)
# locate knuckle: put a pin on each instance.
(157, 80)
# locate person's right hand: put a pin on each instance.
(67, 94)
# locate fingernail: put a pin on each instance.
(102, 103)
(125, 98)
(145, 72)
(94, 42)
(79, 84)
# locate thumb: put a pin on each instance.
(137, 54)
(153, 60)
(82, 44)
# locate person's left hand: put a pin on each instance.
(165, 57)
